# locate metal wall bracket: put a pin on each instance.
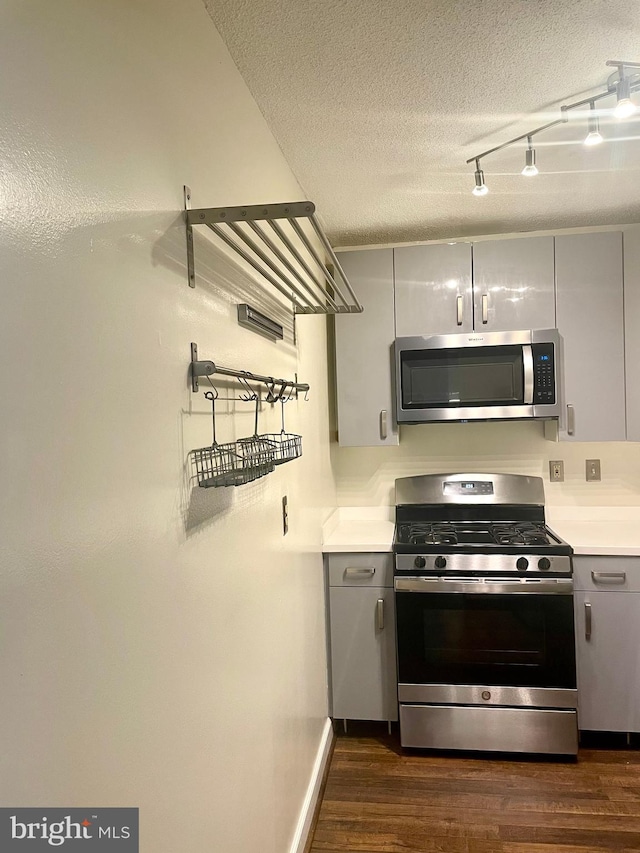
(191, 266)
(199, 368)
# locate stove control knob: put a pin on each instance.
(440, 562)
(419, 562)
(522, 564)
(544, 564)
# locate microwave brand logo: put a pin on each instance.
(475, 339)
(81, 830)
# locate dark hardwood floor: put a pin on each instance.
(379, 799)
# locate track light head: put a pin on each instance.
(480, 188)
(530, 168)
(624, 107)
(594, 137)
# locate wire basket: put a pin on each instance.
(286, 446)
(222, 465)
(258, 453)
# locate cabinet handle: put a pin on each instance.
(380, 614)
(383, 424)
(368, 571)
(459, 310)
(587, 620)
(609, 577)
(571, 419)
(485, 307)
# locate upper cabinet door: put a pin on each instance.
(364, 353)
(591, 323)
(631, 242)
(513, 284)
(433, 289)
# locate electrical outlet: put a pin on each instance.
(593, 470)
(285, 516)
(556, 471)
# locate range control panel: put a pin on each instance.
(544, 382)
(467, 487)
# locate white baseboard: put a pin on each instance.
(301, 835)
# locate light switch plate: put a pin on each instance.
(556, 471)
(593, 470)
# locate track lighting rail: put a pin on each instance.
(621, 83)
(287, 257)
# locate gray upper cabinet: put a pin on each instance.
(513, 284)
(632, 327)
(498, 285)
(591, 323)
(364, 353)
(433, 289)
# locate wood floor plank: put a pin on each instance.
(381, 799)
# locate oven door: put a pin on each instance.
(510, 633)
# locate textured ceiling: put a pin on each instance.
(378, 104)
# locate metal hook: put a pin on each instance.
(250, 393)
(306, 396)
(215, 390)
(272, 397)
(210, 395)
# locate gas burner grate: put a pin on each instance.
(523, 533)
(427, 533)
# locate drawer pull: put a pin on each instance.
(587, 620)
(571, 420)
(380, 614)
(359, 571)
(609, 577)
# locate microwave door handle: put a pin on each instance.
(485, 308)
(459, 310)
(527, 361)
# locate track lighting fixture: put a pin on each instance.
(594, 137)
(480, 188)
(530, 168)
(624, 106)
(622, 83)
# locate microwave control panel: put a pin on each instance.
(544, 372)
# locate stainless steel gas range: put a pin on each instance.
(484, 616)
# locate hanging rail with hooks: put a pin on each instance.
(208, 368)
(288, 261)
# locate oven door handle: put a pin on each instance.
(482, 586)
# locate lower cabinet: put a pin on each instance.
(362, 637)
(607, 603)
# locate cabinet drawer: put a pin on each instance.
(360, 569)
(612, 574)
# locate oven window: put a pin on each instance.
(509, 640)
(483, 376)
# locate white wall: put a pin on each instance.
(366, 476)
(162, 647)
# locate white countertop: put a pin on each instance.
(599, 531)
(351, 529)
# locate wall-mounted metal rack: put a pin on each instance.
(288, 261)
(276, 388)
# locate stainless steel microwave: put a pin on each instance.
(478, 376)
